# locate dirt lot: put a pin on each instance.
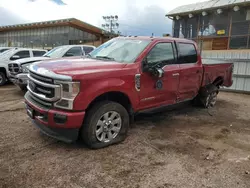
(185, 147)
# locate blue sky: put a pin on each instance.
(136, 17)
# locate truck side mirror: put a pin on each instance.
(155, 71)
(15, 57)
(159, 72)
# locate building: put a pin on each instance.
(220, 24)
(222, 30)
(49, 34)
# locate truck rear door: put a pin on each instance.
(190, 71)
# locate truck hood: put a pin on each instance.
(77, 66)
(28, 60)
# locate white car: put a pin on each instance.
(13, 54)
(3, 49)
(18, 70)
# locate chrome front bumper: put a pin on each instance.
(19, 79)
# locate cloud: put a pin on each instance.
(7, 17)
(146, 21)
(136, 17)
(59, 2)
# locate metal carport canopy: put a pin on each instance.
(206, 5)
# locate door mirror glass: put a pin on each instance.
(14, 57)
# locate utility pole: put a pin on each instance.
(111, 23)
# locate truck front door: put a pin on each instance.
(190, 71)
(160, 91)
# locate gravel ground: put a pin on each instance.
(186, 147)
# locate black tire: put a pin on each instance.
(88, 131)
(3, 79)
(208, 96)
(23, 88)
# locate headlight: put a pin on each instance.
(68, 93)
(25, 69)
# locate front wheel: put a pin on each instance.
(2, 79)
(106, 124)
(23, 88)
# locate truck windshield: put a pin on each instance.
(120, 50)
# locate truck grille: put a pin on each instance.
(14, 68)
(41, 78)
(43, 90)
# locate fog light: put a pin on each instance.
(60, 118)
(42, 117)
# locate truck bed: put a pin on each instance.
(206, 61)
(215, 70)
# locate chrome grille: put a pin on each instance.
(41, 101)
(41, 78)
(41, 91)
(37, 88)
(14, 68)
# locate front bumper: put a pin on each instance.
(62, 125)
(20, 80)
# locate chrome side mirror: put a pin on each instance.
(160, 72)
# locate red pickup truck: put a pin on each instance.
(96, 97)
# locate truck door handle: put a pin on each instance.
(176, 74)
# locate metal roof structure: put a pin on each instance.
(206, 5)
(63, 22)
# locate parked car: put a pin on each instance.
(96, 98)
(18, 74)
(3, 49)
(14, 54)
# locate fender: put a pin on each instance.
(91, 90)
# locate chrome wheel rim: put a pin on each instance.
(108, 126)
(1, 79)
(211, 99)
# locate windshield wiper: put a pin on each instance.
(106, 57)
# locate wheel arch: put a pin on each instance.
(218, 81)
(115, 96)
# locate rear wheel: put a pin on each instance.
(106, 124)
(2, 79)
(208, 97)
(210, 100)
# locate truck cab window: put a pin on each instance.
(75, 51)
(38, 53)
(20, 55)
(161, 52)
(88, 49)
(188, 53)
